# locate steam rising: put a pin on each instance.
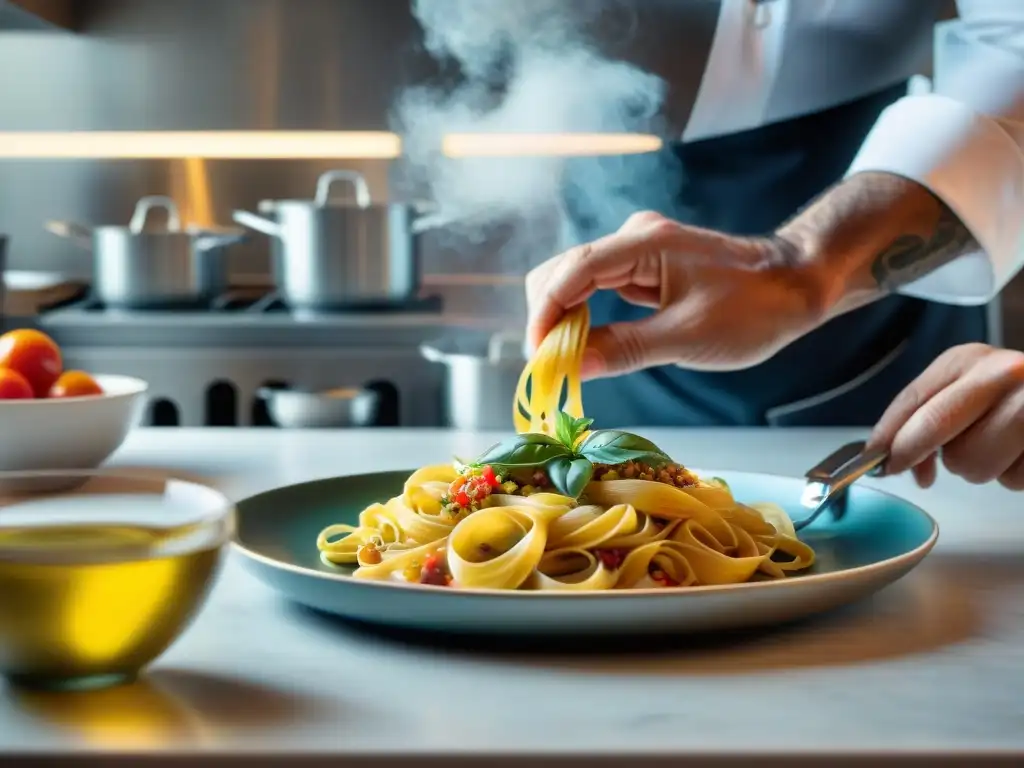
(524, 66)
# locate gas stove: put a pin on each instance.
(240, 317)
(206, 364)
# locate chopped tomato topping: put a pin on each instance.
(488, 475)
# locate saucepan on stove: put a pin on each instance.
(343, 250)
(142, 267)
(483, 372)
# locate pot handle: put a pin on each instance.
(499, 343)
(429, 222)
(433, 354)
(209, 242)
(260, 224)
(328, 179)
(146, 204)
(77, 233)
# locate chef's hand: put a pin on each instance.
(724, 302)
(732, 302)
(967, 406)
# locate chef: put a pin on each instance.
(827, 237)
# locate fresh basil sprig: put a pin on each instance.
(610, 446)
(568, 461)
(569, 430)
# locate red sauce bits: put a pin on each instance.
(434, 571)
(612, 558)
(661, 578)
(669, 474)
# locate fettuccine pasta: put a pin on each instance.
(555, 365)
(561, 507)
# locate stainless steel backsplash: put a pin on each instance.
(193, 65)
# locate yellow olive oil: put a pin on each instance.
(68, 614)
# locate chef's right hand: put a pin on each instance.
(722, 302)
(968, 407)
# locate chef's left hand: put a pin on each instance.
(968, 407)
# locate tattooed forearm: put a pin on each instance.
(912, 256)
(872, 234)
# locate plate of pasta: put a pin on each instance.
(567, 528)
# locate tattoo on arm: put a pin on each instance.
(872, 234)
(910, 257)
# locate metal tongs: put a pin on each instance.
(827, 481)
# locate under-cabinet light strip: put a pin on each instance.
(273, 145)
(548, 145)
(213, 145)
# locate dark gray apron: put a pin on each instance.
(843, 374)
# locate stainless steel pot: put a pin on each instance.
(483, 373)
(136, 267)
(332, 252)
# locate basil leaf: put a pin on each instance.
(579, 427)
(564, 428)
(610, 446)
(721, 482)
(569, 475)
(568, 429)
(529, 450)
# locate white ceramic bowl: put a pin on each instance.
(71, 432)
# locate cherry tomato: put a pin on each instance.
(13, 386)
(34, 355)
(75, 384)
(489, 476)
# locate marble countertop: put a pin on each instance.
(933, 663)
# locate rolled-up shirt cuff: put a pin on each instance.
(975, 164)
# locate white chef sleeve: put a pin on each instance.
(965, 142)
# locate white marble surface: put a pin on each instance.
(935, 662)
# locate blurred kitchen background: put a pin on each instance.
(266, 66)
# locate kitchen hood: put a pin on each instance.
(38, 15)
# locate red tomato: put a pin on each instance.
(75, 384)
(34, 355)
(13, 386)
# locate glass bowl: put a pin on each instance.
(100, 571)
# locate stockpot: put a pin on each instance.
(342, 251)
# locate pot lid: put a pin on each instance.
(139, 224)
(328, 194)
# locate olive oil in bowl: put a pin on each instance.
(97, 582)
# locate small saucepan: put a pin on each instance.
(483, 374)
(138, 267)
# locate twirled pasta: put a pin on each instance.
(503, 524)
